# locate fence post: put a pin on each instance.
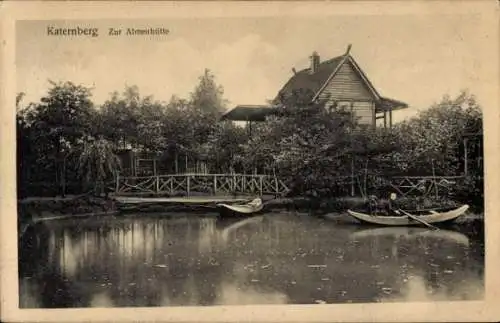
(465, 157)
(188, 184)
(157, 179)
(215, 184)
(117, 182)
(260, 185)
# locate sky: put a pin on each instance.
(413, 58)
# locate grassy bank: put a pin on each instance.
(33, 209)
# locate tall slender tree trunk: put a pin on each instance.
(60, 170)
(63, 177)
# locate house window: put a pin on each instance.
(344, 105)
(330, 106)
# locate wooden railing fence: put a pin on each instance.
(187, 184)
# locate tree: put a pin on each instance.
(431, 141)
(207, 96)
(23, 148)
(133, 120)
(55, 126)
(19, 98)
(207, 104)
(223, 145)
(119, 117)
(152, 121)
(178, 122)
(66, 112)
(260, 150)
(98, 162)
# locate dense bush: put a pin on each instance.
(470, 191)
(431, 142)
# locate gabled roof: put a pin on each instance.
(249, 113)
(316, 82)
(305, 80)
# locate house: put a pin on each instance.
(337, 83)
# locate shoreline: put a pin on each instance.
(33, 210)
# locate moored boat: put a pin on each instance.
(406, 219)
(252, 207)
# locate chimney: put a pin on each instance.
(314, 62)
(348, 50)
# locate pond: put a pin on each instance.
(146, 260)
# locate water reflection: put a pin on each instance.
(412, 233)
(278, 259)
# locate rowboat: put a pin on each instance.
(406, 219)
(251, 207)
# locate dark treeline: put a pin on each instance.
(67, 144)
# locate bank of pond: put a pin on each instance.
(32, 210)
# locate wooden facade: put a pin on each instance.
(348, 87)
(348, 90)
(347, 84)
(339, 83)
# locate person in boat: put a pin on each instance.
(384, 207)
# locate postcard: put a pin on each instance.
(249, 161)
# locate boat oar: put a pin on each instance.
(419, 220)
